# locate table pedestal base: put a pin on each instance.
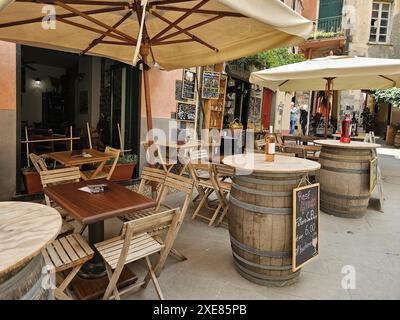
(90, 289)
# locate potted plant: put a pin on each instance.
(31, 180)
(124, 168)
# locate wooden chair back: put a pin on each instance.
(279, 139)
(224, 171)
(59, 176)
(115, 155)
(38, 162)
(298, 151)
(152, 176)
(167, 220)
(199, 156)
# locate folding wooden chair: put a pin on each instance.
(216, 184)
(163, 162)
(136, 243)
(102, 174)
(171, 181)
(38, 162)
(59, 176)
(67, 253)
(297, 150)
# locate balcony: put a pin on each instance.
(328, 36)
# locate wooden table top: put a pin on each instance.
(352, 145)
(66, 158)
(25, 229)
(174, 145)
(256, 163)
(90, 208)
(360, 137)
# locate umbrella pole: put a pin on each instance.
(144, 51)
(329, 91)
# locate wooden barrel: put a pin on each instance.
(397, 140)
(26, 283)
(345, 181)
(260, 227)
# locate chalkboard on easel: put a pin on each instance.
(306, 208)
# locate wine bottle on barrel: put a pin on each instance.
(270, 145)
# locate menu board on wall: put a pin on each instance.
(189, 84)
(186, 112)
(306, 206)
(178, 91)
(211, 85)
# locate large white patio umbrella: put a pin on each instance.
(173, 33)
(331, 73)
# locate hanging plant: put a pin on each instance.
(391, 96)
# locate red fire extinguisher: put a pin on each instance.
(346, 129)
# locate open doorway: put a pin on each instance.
(61, 90)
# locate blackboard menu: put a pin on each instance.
(186, 112)
(178, 91)
(211, 85)
(306, 203)
(188, 84)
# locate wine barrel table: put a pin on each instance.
(25, 229)
(345, 177)
(261, 214)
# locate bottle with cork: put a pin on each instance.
(270, 145)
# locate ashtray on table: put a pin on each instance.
(97, 188)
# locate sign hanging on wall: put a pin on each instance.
(211, 85)
(306, 208)
(189, 84)
(186, 112)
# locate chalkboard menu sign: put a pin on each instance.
(188, 84)
(186, 112)
(373, 174)
(211, 85)
(306, 201)
(178, 91)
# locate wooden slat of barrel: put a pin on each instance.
(260, 225)
(344, 177)
(26, 283)
(397, 140)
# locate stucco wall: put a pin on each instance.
(7, 120)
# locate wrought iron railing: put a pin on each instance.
(328, 27)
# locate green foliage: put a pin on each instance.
(325, 35)
(391, 96)
(124, 159)
(269, 59)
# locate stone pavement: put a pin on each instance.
(371, 245)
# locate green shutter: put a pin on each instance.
(330, 12)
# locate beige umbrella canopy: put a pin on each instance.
(331, 73)
(175, 33)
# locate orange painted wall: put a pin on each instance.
(162, 88)
(310, 9)
(8, 76)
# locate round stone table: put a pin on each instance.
(25, 229)
(345, 177)
(261, 214)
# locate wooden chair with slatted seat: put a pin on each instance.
(216, 184)
(197, 157)
(103, 174)
(136, 243)
(67, 253)
(171, 181)
(60, 176)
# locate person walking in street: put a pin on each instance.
(294, 115)
(304, 120)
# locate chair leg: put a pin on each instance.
(59, 295)
(153, 278)
(215, 215)
(202, 202)
(221, 219)
(109, 274)
(83, 228)
(69, 278)
(112, 284)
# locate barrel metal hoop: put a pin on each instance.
(354, 171)
(261, 266)
(346, 151)
(262, 193)
(343, 160)
(258, 209)
(261, 253)
(268, 182)
(340, 196)
(258, 276)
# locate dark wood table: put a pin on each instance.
(92, 210)
(67, 159)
